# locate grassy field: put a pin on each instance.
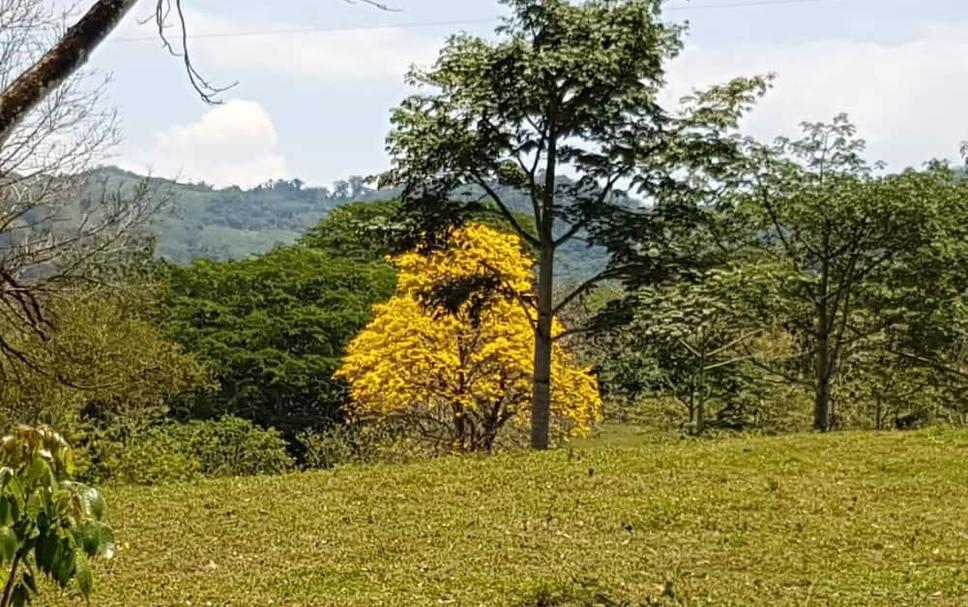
(841, 519)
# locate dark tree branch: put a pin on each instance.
(504, 210)
(69, 53)
(599, 200)
(206, 90)
(934, 364)
(583, 287)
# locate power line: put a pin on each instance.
(750, 3)
(316, 30)
(425, 24)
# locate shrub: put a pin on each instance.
(233, 447)
(658, 413)
(365, 441)
(182, 451)
(149, 458)
(331, 447)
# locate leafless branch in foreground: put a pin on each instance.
(63, 225)
(54, 59)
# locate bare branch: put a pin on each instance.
(583, 287)
(55, 66)
(206, 90)
(61, 225)
(504, 210)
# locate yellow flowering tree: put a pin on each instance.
(460, 375)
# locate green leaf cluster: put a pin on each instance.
(50, 525)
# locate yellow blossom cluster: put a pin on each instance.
(457, 380)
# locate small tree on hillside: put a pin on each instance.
(697, 342)
(458, 374)
(568, 90)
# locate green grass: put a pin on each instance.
(842, 519)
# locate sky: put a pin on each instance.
(315, 105)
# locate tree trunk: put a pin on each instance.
(11, 580)
(56, 65)
(700, 388)
(541, 394)
(821, 403)
(878, 412)
(692, 407)
(700, 416)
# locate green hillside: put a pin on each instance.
(840, 519)
(200, 221)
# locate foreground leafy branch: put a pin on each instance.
(49, 525)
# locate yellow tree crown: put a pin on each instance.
(457, 379)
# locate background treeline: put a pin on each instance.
(824, 293)
(226, 367)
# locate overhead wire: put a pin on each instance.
(450, 23)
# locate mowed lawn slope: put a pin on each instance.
(840, 519)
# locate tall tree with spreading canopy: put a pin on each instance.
(567, 90)
(458, 375)
(854, 254)
(274, 327)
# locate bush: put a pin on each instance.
(366, 441)
(346, 444)
(233, 447)
(149, 458)
(329, 448)
(183, 451)
(663, 413)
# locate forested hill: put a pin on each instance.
(200, 221)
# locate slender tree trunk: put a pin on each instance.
(56, 65)
(700, 426)
(692, 405)
(8, 587)
(545, 224)
(700, 416)
(821, 403)
(701, 400)
(878, 412)
(460, 429)
(541, 395)
(825, 320)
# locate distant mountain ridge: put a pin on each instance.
(201, 221)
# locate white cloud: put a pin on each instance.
(231, 144)
(361, 54)
(907, 98)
